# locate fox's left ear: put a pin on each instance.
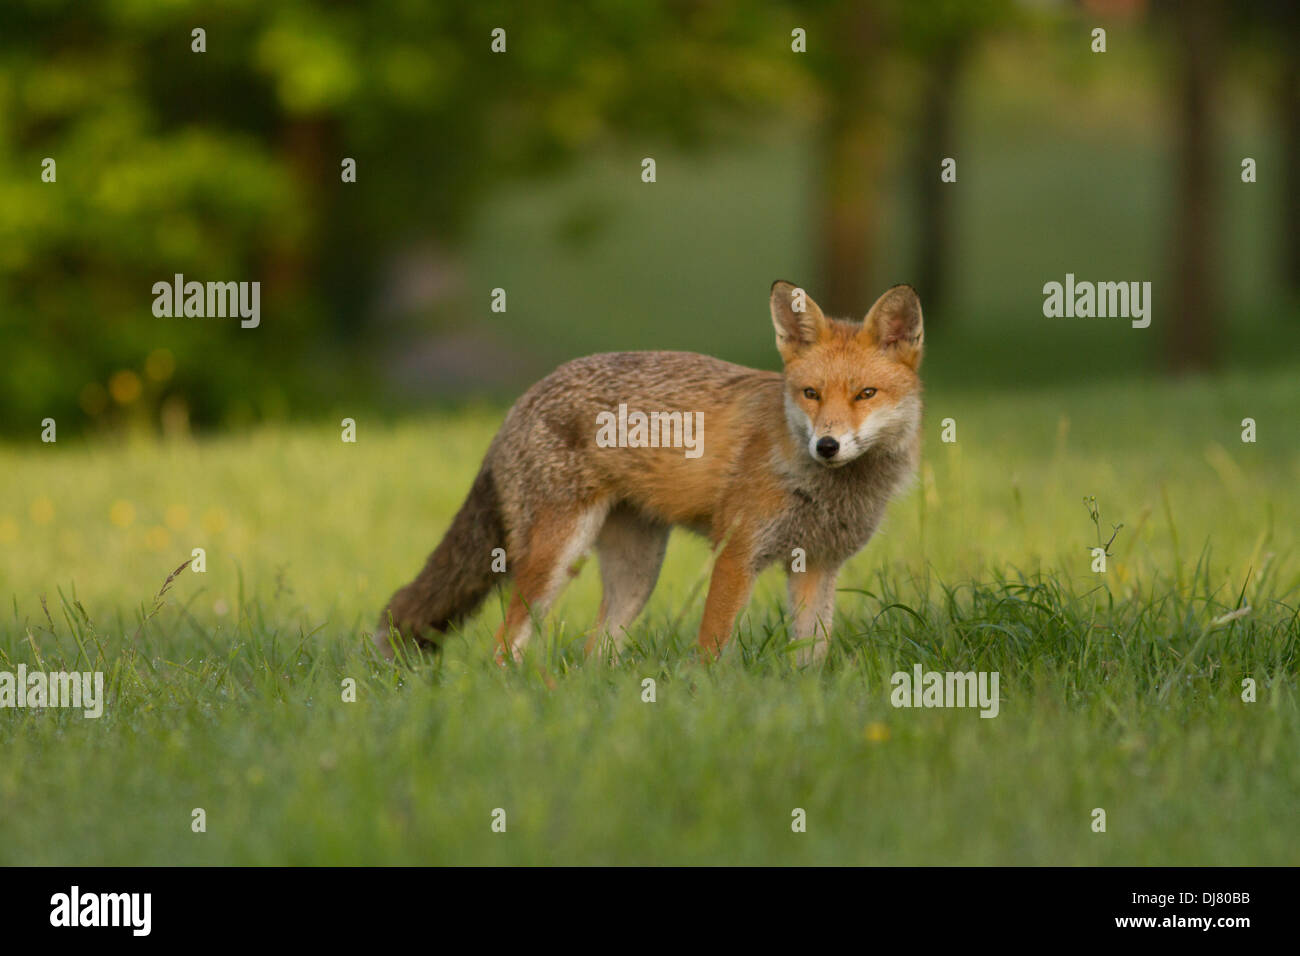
(894, 325)
(798, 320)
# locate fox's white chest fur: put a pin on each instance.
(833, 513)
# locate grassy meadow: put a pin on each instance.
(1118, 690)
(1121, 691)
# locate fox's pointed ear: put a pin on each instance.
(894, 325)
(797, 318)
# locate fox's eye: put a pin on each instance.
(866, 393)
(810, 393)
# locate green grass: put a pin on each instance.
(1118, 690)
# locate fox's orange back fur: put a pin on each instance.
(803, 459)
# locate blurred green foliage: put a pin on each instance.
(225, 165)
(522, 171)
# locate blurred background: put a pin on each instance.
(521, 171)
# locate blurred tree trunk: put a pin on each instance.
(1190, 335)
(852, 156)
(1288, 116)
(304, 145)
(936, 142)
(335, 253)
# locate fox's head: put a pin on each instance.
(850, 386)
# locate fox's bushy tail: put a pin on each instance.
(458, 574)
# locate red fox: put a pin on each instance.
(804, 459)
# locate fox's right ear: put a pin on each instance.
(894, 325)
(797, 318)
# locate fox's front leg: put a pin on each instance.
(812, 604)
(729, 589)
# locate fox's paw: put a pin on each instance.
(811, 651)
(602, 647)
(517, 655)
(383, 642)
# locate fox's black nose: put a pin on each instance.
(827, 447)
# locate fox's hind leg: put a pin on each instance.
(631, 548)
(556, 539)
